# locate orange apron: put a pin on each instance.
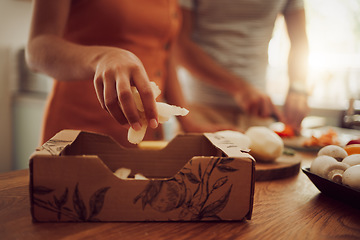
(144, 27)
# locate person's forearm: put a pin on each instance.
(297, 71)
(191, 56)
(298, 63)
(61, 59)
(112, 70)
(296, 105)
(203, 67)
(298, 55)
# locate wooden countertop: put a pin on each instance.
(291, 208)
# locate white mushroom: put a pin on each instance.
(335, 171)
(352, 160)
(320, 164)
(334, 151)
(351, 177)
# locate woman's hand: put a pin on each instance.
(254, 102)
(115, 72)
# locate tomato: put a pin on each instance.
(288, 131)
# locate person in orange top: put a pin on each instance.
(96, 50)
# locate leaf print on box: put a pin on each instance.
(76, 211)
(195, 202)
(163, 196)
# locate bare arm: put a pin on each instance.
(296, 106)
(201, 65)
(47, 51)
(114, 70)
(174, 95)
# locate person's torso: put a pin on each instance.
(144, 27)
(236, 33)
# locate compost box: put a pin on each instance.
(195, 177)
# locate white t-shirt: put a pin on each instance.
(236, 33)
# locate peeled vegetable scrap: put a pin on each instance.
(165, 112)
(124, 173)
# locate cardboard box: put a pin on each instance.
(196, 177)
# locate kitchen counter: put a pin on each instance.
(291, 208)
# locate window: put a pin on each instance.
(333, 29)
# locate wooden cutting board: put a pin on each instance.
(283, 167)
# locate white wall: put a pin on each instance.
(14, 29)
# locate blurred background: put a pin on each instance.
(334, 72)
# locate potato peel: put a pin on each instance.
(122, 173)
(156, 91)
(165, 112)
(136, 137)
